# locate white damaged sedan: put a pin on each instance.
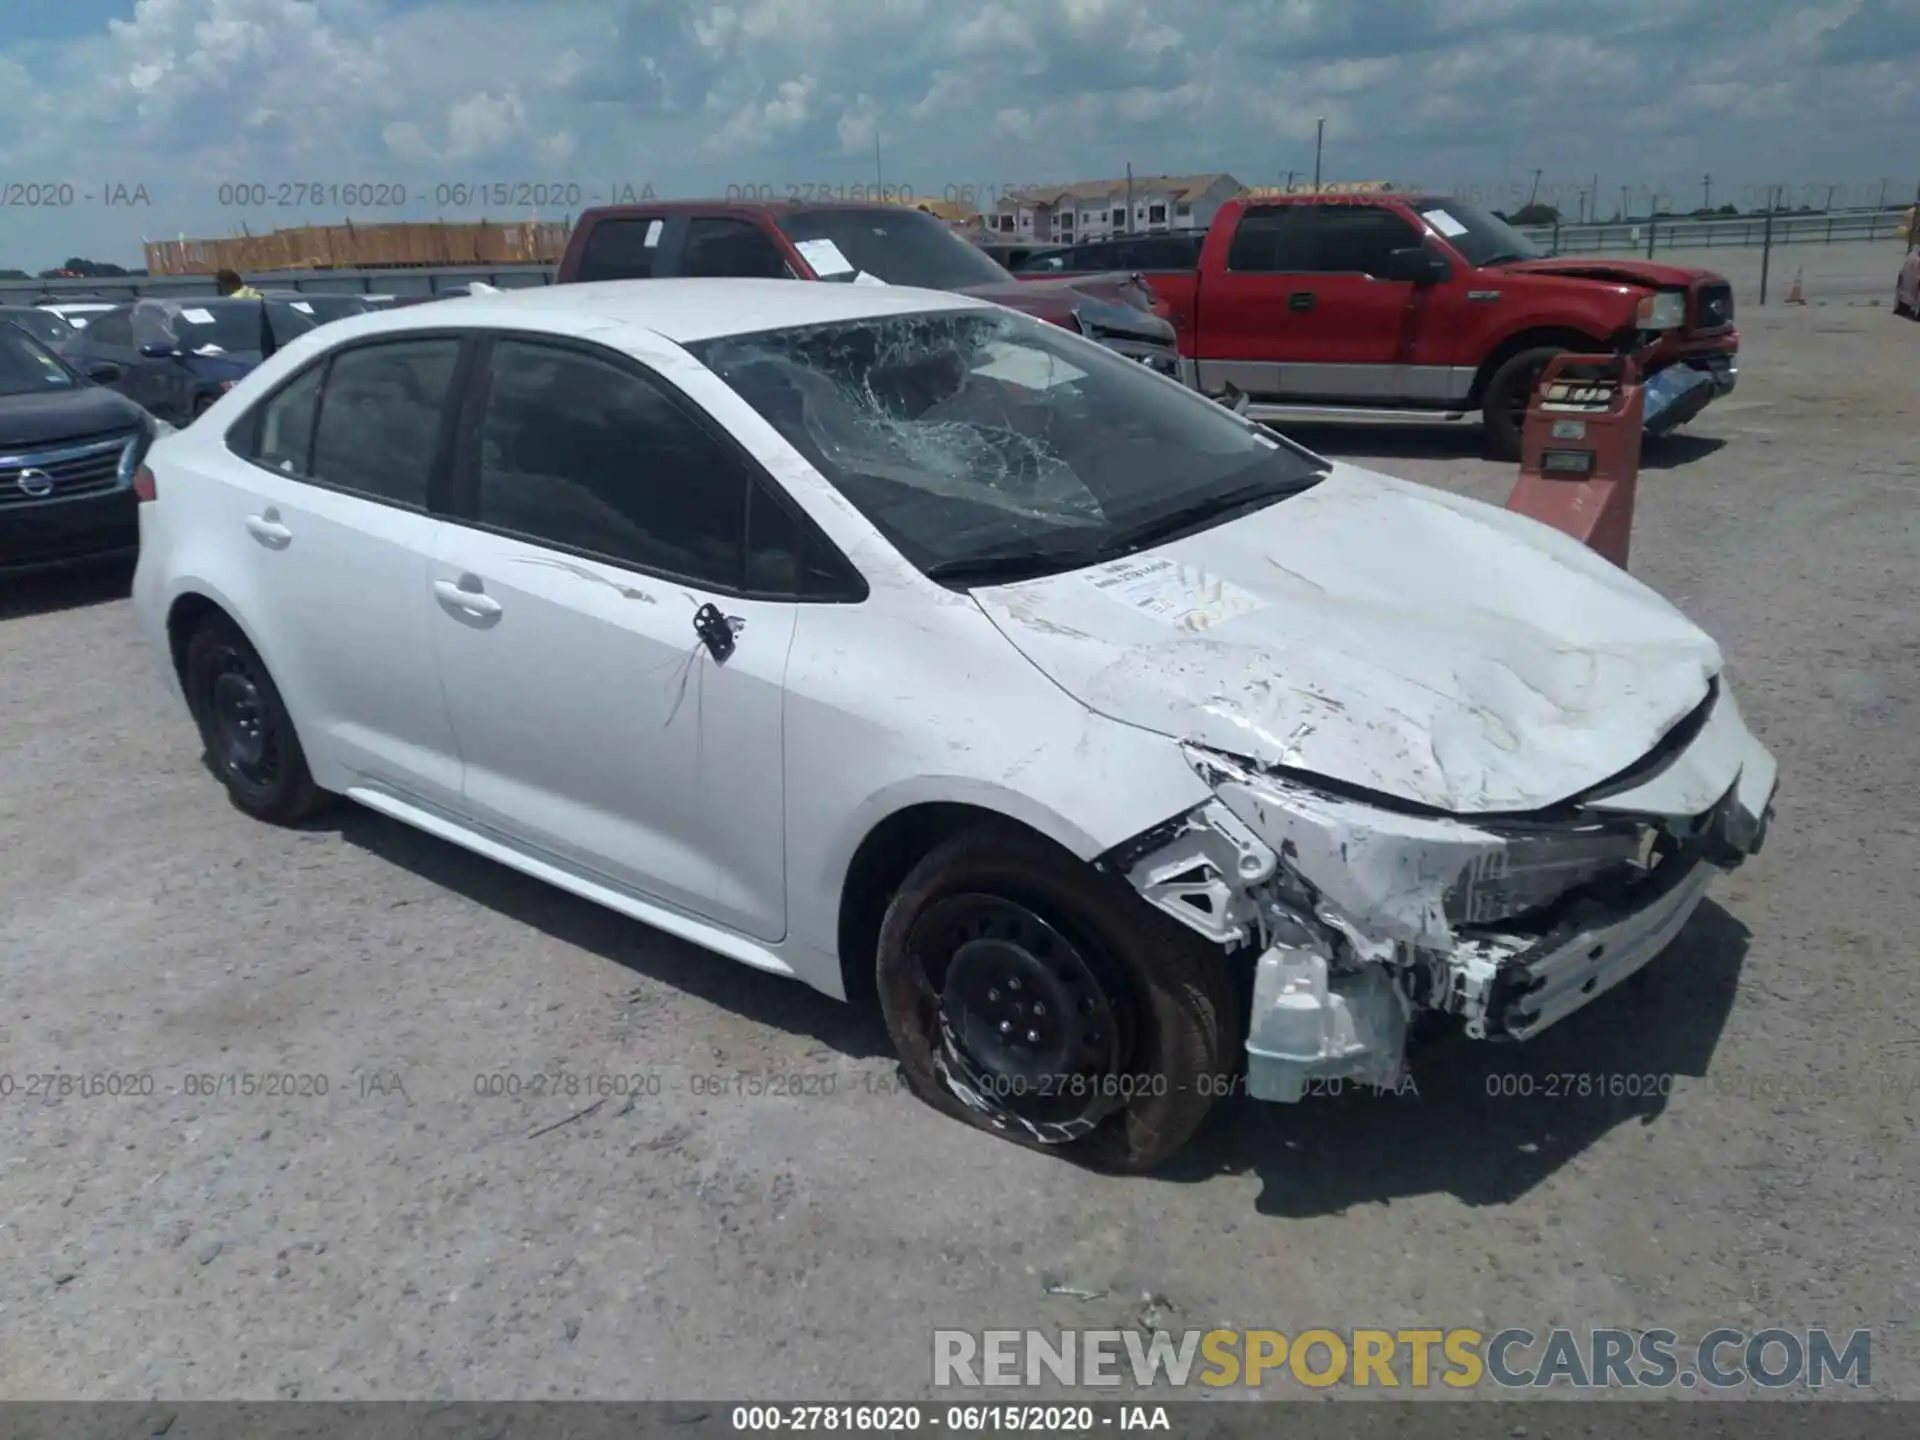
(896, 642)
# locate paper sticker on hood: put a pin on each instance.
(1179, 595)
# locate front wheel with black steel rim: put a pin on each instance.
(1509, 394)
(249, 738)
(1030, 995)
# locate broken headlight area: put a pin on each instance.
(1355, 916)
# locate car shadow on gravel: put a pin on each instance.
(852, 1030)
(24, 595)
(1490, 1122)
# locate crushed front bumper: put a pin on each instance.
(1353, 910)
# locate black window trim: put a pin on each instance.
(463, 477)
(245, 432)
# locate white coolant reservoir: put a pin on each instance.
(1309, 1024)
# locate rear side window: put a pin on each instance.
(723, 247)
(380, 418)
(1275, 238)
(622, 249)
(585, 455)
(285, 435)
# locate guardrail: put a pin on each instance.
(407, 281)
(1645, 237)
(1707, 232)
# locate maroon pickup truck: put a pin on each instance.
(1397, 305)
(849, 243)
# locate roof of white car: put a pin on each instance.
(684, 311)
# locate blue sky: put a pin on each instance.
(170, 100)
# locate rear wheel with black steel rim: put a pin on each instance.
(249, 738)
(1028, 994)
(1509, 394)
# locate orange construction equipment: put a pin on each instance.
(1580, 450)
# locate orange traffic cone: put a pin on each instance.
(1794, 297)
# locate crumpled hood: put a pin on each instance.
(1650, 273)
(1061, 293)
(1380, 633)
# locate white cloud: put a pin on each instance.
(692, 96)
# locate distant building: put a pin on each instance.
(1096, 209)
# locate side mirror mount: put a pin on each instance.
(1417, 265)
(159, 350)
(103, 373)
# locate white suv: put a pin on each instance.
(891, 640)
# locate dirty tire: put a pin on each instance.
(1182, 1008)
(249, 737)
(202, 404)
(1503, 407)
(1902, 309)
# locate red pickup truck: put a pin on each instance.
(851, 243)
(1419, 306)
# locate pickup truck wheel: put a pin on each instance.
(1509, 392)
(1029, 995)
(1902, 309)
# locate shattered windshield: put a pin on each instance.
(908, 247)
(976, 439)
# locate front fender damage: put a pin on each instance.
(1358, 916)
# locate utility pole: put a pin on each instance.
(1706, 192)
(1626, 207)
(1290, 175)
(878, 183)
(1534, 193)
(1883, 193)
(1828, 207)
(1319, 143)
(1129, 229)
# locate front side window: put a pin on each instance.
(581, 453)
(980, 438)
(381, 409)
(1357, 239)
(720, 246)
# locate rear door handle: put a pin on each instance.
(268, 530)
(460, 597)
(1300, 300)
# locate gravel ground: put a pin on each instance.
(404, 1236)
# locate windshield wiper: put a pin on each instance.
(1503, 256)
(1006, 568)
(1173, 523)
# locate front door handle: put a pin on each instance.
(1300, 300)
(470, 600)
(267, 529)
